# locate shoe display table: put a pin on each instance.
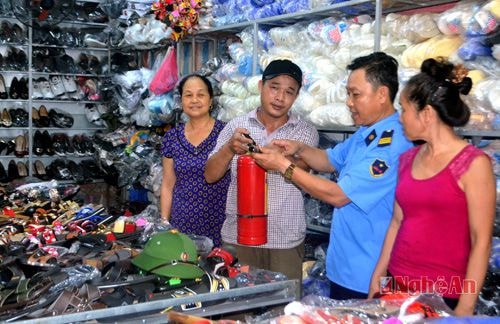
(220, 303)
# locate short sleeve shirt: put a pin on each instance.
(367, 163)
(197, 206)
(286, 216)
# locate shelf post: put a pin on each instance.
(378, 25)
(255, 49)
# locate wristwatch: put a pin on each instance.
(289, 172)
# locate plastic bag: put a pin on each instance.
(167, 75)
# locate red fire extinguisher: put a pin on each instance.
(252, 202)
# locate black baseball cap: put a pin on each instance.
(279, 67)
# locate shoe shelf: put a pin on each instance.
(86, 75)
(80, 48)
(80, 123)
(68, 101)
(15, 100)
(36, 62)
(23, 72)
(17, 44)
(80, 24)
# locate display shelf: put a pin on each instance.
(15, 100)
(230, 301)
(14, 44)
(69, 101)
(71, 106)
(14, 71)
(79, 24)
(479, 133)
(358, 6)
(77, 48)
(86, 75)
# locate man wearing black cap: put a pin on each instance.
(284, 250)
(367, 163)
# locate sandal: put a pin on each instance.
(75, 300)
(47, 256)
(26, 292)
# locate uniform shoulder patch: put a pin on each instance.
(386, 138)
(378, 168)
(370, 137)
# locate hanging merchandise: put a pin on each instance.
(167, 75)
(180, 15)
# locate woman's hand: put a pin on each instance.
(462, 310)
(374, 287)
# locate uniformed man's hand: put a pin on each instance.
(289, 147)
(271, 159)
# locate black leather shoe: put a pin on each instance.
(4, 178)
(60, 119)
(3, 88)
(3, 146)
(6, 31)
(78, 145)
(21, 60)
(47, 141)
(68, 147)
(83, 62)
(14, 89)
(90, 169)
(58, 144)
(94, 65)
(19, 34)
(89, 145)
(23, 88)
(19, 117)
(76, 171)
(59, 170)
(12, 170)
(38, 145)
(11, 147)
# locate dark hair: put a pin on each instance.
(380, 69)
(180, 87)
(439, 84)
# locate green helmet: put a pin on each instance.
(170, 254)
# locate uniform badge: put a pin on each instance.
(378, 168)
(386, 138)
(370, 137)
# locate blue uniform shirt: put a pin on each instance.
(367, 163)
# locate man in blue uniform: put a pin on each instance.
(367, 163)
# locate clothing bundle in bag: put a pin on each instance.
(167, 75)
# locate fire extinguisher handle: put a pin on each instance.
(252, 148)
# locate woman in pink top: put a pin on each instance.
(439, 238)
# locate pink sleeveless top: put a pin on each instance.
(432, 247)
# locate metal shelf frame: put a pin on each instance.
(234, 300)
(30, 73)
